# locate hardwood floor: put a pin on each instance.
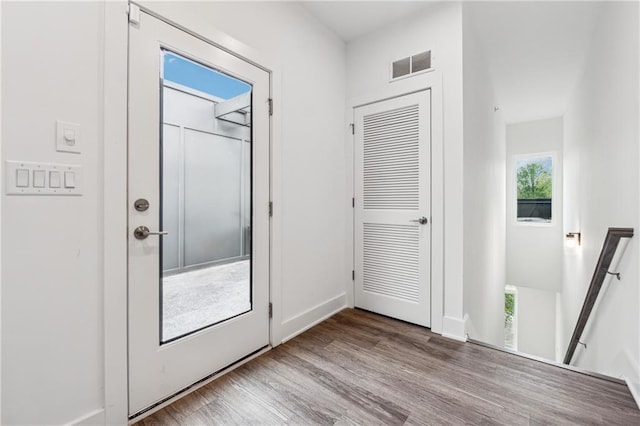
(365, 369)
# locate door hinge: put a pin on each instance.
(270, 310)
(270, 208)
(134, 14)
(353, 202)
(353, 275)
(353, 128)
(270, 106)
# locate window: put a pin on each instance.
(534, 183)
(193, 75)
(510, 318)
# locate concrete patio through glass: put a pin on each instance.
(195, 299)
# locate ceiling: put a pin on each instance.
(352, 19)
(534, 50)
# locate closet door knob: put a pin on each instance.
(422, 221)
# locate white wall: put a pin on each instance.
(52, 276)
(1, 186)
(52, 315)
(311, 62)
(534, 251)
(536, 311)
(601, 191)
(484, 196)
(438, 28)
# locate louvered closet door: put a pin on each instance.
(393, 208)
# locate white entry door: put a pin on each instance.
(198, 210)
(393, 207)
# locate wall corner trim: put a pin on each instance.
(454, 328)
(114, 203)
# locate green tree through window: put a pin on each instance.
(509, 306)
(534, 181)
(510, 327)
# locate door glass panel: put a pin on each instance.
(206, 197)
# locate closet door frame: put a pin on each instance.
(448, 326)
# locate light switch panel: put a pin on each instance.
(29, 178)
(68, 137)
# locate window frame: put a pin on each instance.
(509, 289)
(513, 199)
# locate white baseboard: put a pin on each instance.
(93, 418)
(307, 319)
(634, 388)
(454, 328)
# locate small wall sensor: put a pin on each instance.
(67, 137)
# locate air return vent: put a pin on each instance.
(411, 65)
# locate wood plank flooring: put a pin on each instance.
(365, 369)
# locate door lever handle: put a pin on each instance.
(422, 221)
(142, 232)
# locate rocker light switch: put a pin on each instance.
(54, 179)
(22, 178)
(38, 178)
(69, 179)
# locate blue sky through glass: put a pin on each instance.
(198, 77)
(545, 162)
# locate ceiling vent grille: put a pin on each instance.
(412, 65)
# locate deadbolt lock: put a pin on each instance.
(141, 205)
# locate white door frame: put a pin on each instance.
(114, 175)
(157, 371)
(433, 81)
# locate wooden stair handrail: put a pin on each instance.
(604, 262)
